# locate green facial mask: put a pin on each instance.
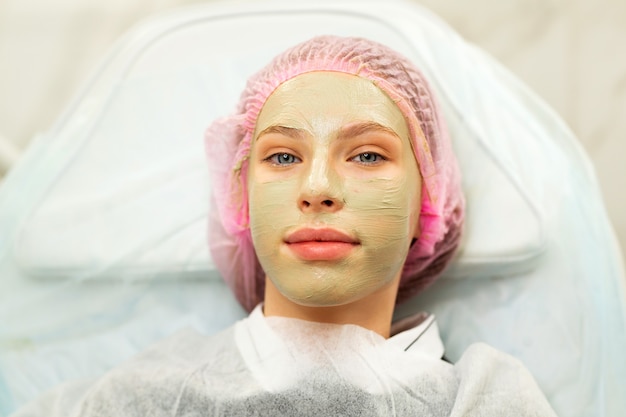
(334, 189)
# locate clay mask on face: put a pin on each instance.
(334, 189)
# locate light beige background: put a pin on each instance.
(569, 51)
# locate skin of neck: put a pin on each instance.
(373, 312)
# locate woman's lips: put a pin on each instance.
(320, 244)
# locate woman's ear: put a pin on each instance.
(417, 215)
(417, 231)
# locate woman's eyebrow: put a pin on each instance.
(357, 129)
(283, 130)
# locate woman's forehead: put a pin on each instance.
(324, 101)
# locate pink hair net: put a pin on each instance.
(228, 141)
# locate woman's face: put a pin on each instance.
(334, 189)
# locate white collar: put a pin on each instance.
(266, 354)
(422, 339)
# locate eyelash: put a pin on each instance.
(275, 159)
(379, 158)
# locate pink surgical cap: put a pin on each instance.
(228, 142)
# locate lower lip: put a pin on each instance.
(321, 251)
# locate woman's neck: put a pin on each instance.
(373, 312)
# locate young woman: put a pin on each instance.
(355, 130)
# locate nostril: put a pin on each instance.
(318, 204)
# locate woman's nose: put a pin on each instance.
(319, 203)
(321, 190)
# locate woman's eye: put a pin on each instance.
(368, 158)
(283, 158)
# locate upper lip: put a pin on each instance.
(319, 235)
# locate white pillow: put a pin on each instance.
(130, 198)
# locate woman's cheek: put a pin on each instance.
(384, 209)
(273, 208)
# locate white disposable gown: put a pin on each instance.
(286, 367)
